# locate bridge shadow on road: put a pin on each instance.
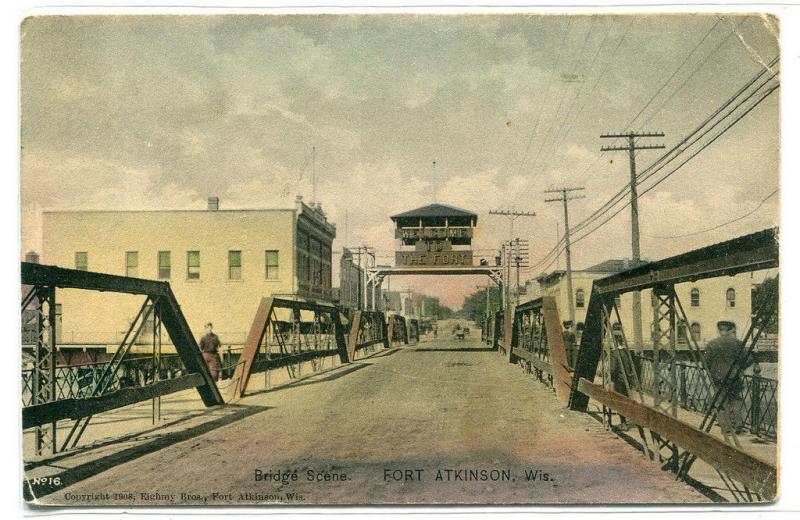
(313, 379)
(629, 437)
(70, 476)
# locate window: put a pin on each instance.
(82, 261)
(695, 329)
(682, 333)
(695, 297)
(272, 265)
(579, 298)
(314, 275)
(193, 265)
(730, 297)
(132, 263)
(303, 260)
(164, 265)
(234, 265)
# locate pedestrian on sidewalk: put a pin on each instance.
(209, 346)
(722, 355)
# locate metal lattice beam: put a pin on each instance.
(44, 281)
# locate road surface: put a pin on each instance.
(440, 422)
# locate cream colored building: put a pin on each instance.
(219, 263)
(705, 302)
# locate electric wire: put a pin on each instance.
(648, 172)
(718, 226)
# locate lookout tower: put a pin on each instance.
(435, 235)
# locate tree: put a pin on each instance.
(474, 307)
(767, 289)
(433, 307)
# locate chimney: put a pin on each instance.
(32, 257)
(213, 203)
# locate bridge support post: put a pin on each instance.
(562, 374)
(510, 337)
(496, 328)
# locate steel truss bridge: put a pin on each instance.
(654, 383)
(299, 339)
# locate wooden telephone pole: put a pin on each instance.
(566, 196)
(632, 148)
(512, 215)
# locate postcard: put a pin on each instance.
(422, 258)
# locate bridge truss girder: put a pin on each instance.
(46, 409)
(600, 345)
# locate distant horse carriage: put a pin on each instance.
(460, 332)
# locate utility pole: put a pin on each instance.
(632, 148)
(521, 255)
(512, 215)
(565, 196)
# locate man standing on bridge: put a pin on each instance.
(209, 346)
(570, 342)
(722, 355)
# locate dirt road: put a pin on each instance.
(440, 422)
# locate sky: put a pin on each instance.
(161, 112)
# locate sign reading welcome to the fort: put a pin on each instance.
(436, 235)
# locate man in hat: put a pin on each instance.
(722, 356)
(570, 343)
(209, 346)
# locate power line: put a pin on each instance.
(677, 150)
(605, 208)
(729, 222)
(704, 146)
(512, 215)
(561, 98)
(594, 87)
(631, 148)
(670, 97)
(700, 65)
(674, 73)
(556, 63)
(558, 137)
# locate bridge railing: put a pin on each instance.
(397, 329)
(78, 381)
(52, 393)
(368, 330)
(498, 339)
(536, 341)
(695, 392)
(651, 395)
(286, 334)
